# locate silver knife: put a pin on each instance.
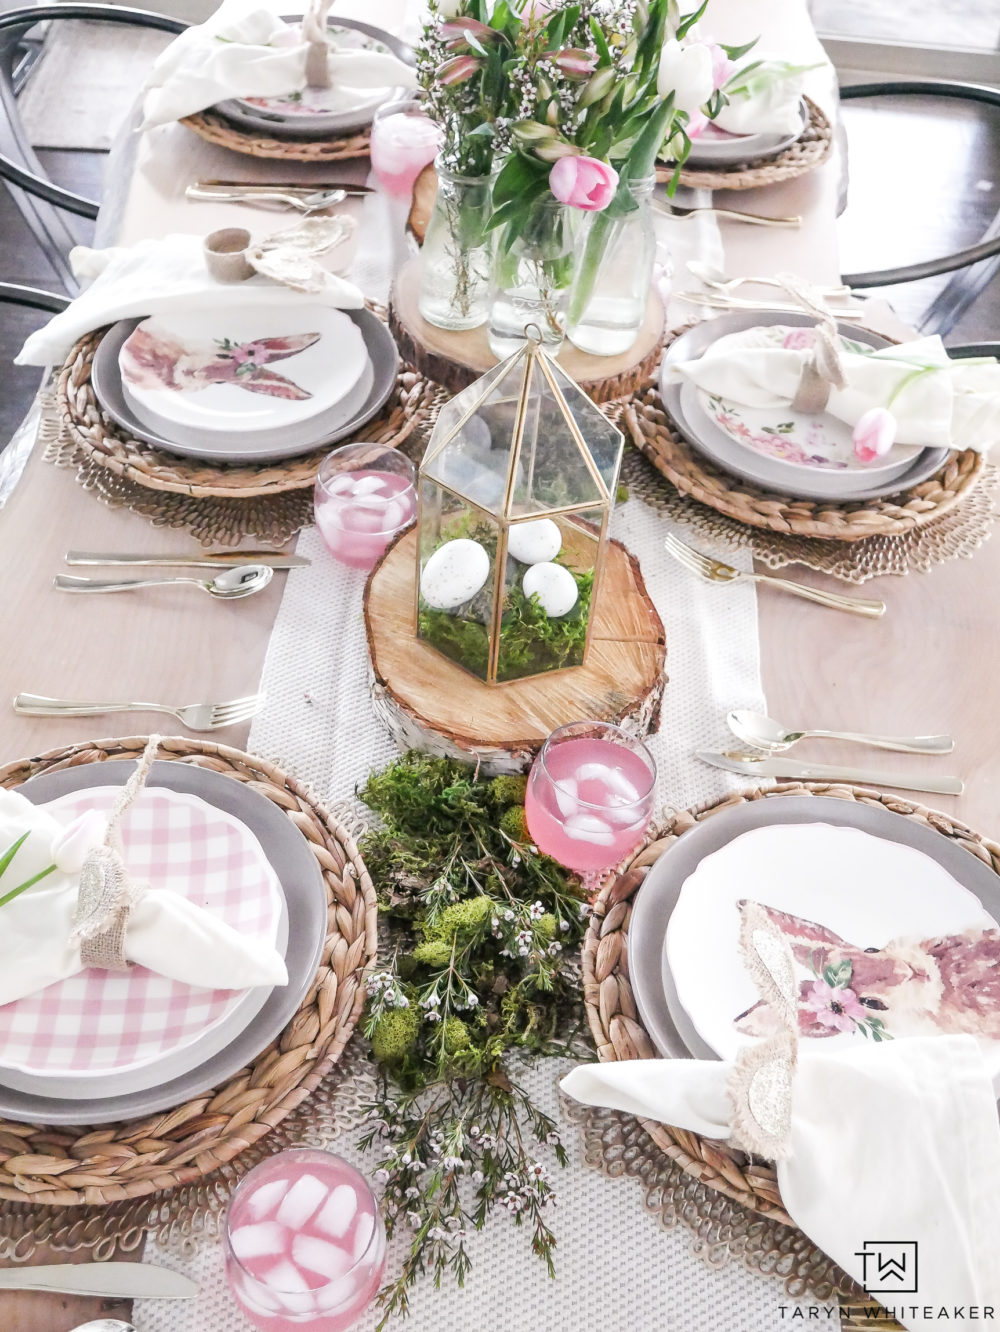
(796, 770)
(223, 560)
(130, 1281)
(271, 187)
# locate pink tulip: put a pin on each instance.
(454, 32)
(874, 434)
(459, 69)
(573, 62)
(697, 124)
(583, 182)
(723, 68)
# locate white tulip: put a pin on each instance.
(685, 71)
(449, 9)
(69, 848)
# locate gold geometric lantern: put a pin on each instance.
(515, 495)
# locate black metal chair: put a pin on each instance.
(975, 265)
(11, 293)
(39, 199)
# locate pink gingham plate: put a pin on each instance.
(101, 1023)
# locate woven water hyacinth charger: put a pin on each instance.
(99, 1165)
(106, 444)
(654, 434)
(611, 1010)
(810, 150)
(216, 129)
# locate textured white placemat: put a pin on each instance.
(618, 1270)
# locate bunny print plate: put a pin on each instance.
(892, 928)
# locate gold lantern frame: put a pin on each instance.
(534, 357)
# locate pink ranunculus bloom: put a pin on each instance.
(834, 1006)
(799, 339)
(874, 434)
(583, 182)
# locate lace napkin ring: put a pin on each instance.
(823, 368)
(107, 894)
(760, 1087)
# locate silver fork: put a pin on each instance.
(302, 203)
(714, 571)
(195, 716)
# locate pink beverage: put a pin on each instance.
(403, 142)
(304, 1244)
(364, 496)
(590, 796)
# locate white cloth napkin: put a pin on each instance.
(244, 50)
(765, 100)
(156, 277)
(936, 402)
(166, 933)
(893, 1142)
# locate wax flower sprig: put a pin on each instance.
(478, 972)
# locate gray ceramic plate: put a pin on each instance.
(327, 428)
(321, 125)
(305, 897)
(743, 148)
(659, 1008)
(715, 445)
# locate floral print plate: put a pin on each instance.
(886, 943)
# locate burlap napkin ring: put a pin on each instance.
(760, 1087)
(823, 368)
(107, 894)
(314, 31)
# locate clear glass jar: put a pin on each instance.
(611, 290)
(533, 267)
(456, 254)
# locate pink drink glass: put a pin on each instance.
(364, 495)
(590, 795)
(403, 141)
(304, 1243)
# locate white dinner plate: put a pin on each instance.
(887, 943)
(243, 371)
(667, 1022)
(771, 473)
(327, 428)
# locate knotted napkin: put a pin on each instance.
(88, 912)
(159, 277)
(894, 1144)
(765, 99)
(245, 50)
(937, 402)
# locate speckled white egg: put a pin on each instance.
(534, 542)
(454, 573)
(556, 588)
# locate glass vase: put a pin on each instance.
(455, 258)
(532, 275)
(607, 306)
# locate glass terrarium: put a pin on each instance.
(515, 494)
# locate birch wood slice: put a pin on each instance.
(429, 703)
(454, 360)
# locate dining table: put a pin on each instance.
(928, 665)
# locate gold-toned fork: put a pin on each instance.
(755, 219)
(195, 716)
(715, 571)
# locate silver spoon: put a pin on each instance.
(105, 1325)
(753, 728)
(715, 278)
(243, 581)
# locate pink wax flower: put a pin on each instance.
(583, 182)
(874, 434)
(834, 1006)
(799, 339)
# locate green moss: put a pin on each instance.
(395, 1035)
(433, 953)
(545, 927)
(455, 1035)
(515, 825)
(508, 791)
(460, 920)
